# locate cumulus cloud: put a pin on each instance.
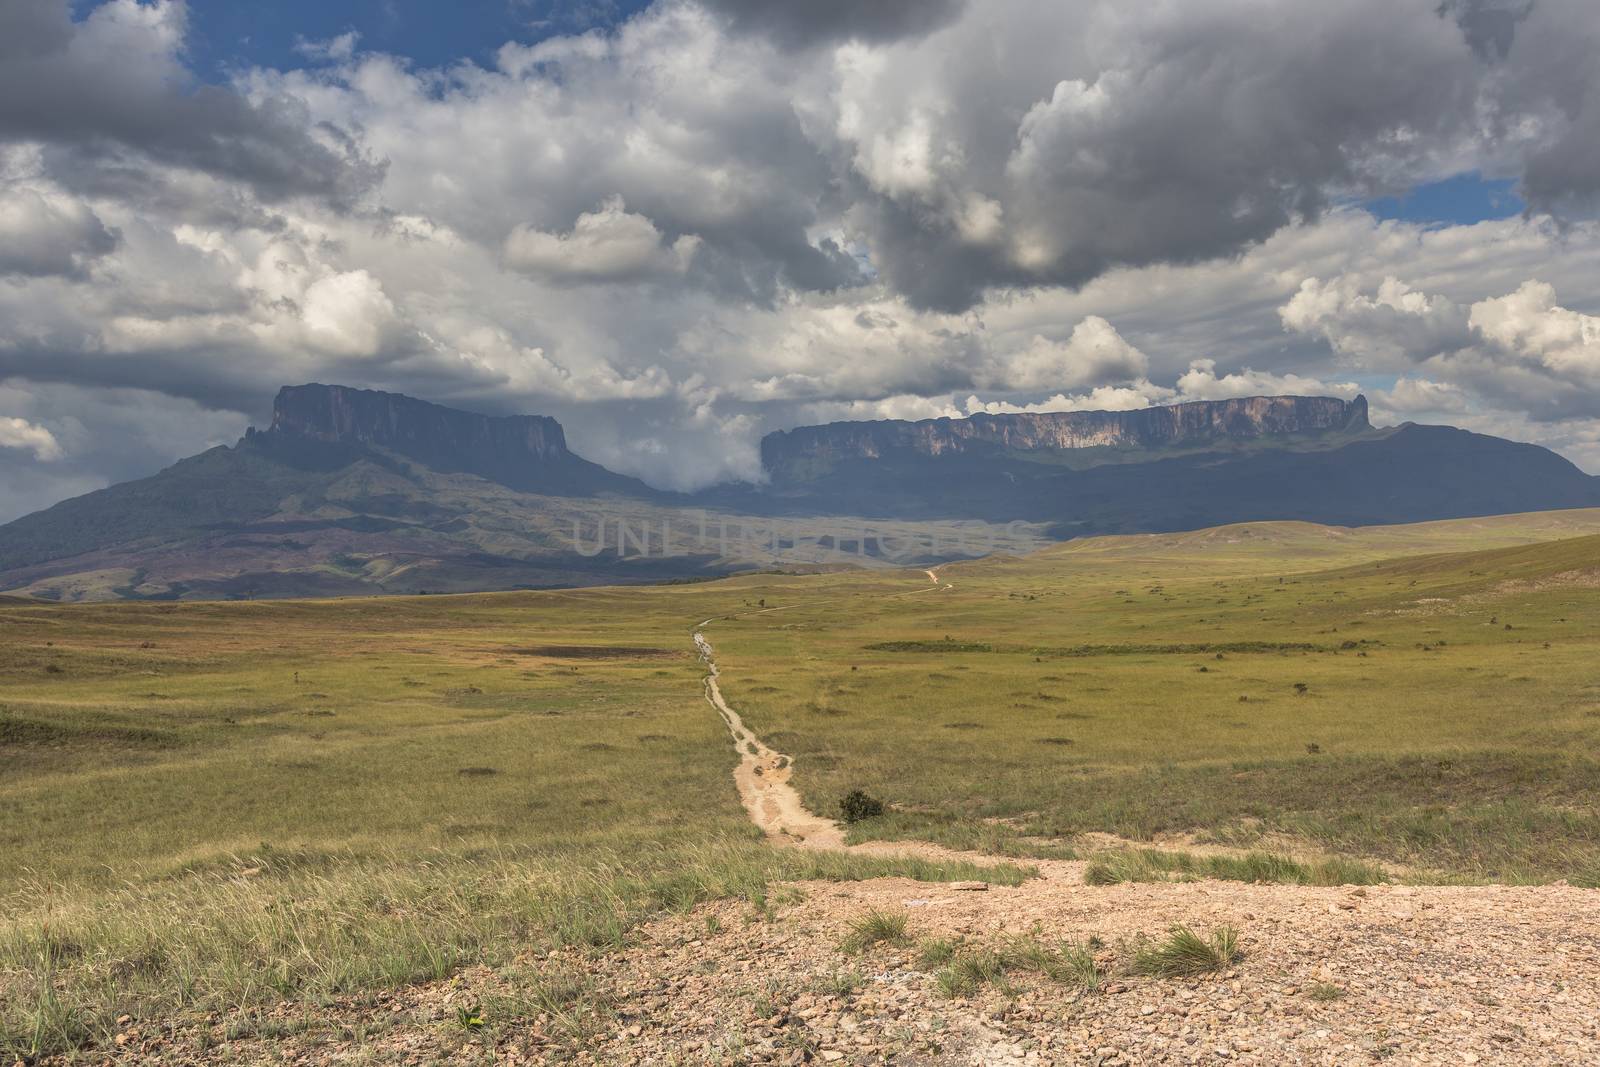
(1522, 349)
(1414, 396)
(1387, 328)
(1094, 353)
(610, 244)
(721, 219)
(19, 433)
(43, 233)
(111, 92)
(1529, 325)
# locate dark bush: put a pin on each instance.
(857, 805)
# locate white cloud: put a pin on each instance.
(45, 232)
(19, 433)
(1140, 394)
(610, 244)
(1411, 396)
(1093, 354)
(1521, 350)
(1529, 325)
(692, 230)
(1395, 325)
(347, 313)
(1199, 382)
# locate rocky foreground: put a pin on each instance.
(1397, 974)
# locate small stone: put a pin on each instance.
(970, 887)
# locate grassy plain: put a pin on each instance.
(1345, 692)
(213, 806)
(209, 806)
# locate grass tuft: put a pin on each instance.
(1185, 954)
(875, 928)
(1066, 962)
(935, 952)
(970, 971)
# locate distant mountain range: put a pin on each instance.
(356, 491)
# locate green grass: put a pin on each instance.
(1065, 962)
(220, 807)
(969, 971)
(1186, 954)
(935, 952)
(965, 970)
(1155, 865)
(1148, 687)
(876, 928)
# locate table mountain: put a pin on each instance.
(351, 490)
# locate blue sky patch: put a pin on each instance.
(225, 34)
(1461, 200)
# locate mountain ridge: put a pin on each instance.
(1191, 422)
(527, 452)
(352, 490)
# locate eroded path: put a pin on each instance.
(763, 775)
(1330, 976)
(774, 804)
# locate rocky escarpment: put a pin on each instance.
(416, 428)
(1178, 424)
(522, 451)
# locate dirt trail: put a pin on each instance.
(763, 776)
(774, 805)
(1331, 976)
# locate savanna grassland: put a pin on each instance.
(1346, 692)
(219, 807)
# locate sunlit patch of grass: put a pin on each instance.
(1186, 954)
(1154, 865)
(1065, 962)
(875, 928)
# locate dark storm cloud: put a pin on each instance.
(1489, 25)
(1551, 78)
(110, 86)
(794, 24)
(1178, 138)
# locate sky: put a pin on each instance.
(677, 226)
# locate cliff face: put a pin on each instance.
(527, 452)
(415, 428)
(1195, 422)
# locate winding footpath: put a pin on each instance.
(1340, 975)
(763, 775)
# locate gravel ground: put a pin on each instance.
(1438, 975)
